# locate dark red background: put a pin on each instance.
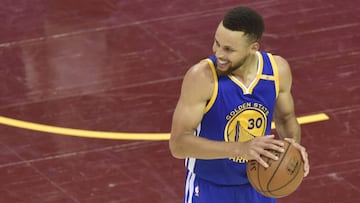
(117, 66)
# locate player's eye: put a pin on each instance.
(228, 49)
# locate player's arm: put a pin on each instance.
(286, 123)
(284, 116)
(196, 90)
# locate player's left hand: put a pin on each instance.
(304, 155)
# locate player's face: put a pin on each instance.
(232, 49)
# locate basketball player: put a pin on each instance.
(224, 113)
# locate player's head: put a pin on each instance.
(245, 20)
(237, 37)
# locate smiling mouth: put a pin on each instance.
(222, 62)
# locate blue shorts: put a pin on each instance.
(202, 191)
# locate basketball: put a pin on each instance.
(282, 177)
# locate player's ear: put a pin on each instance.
(255, 46)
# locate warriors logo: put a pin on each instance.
(245, 123)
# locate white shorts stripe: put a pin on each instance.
(190, 180)
(191, 164)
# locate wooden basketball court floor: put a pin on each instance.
(116, 66)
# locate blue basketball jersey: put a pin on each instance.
(236, 113)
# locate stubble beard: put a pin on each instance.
(233, 67)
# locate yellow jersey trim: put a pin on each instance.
(236, 81)
(267, 77)
(249, 90)
(276, 73)
(216, 85)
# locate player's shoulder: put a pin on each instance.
(199, 79)
(281, 62)
(282, 65)
(285, 77)
(200, 73)
(200, 70)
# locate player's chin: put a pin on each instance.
(222, 73)
(223, 70)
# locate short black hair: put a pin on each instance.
(246, 20)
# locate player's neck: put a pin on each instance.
(248, 71)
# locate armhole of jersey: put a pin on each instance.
(216, 85)
(275, 72)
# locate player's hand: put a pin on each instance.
(304, 155)
(259, 146)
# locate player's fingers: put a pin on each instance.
(269, 136)
(306, 170)
(291, 140)
(270, 155)
(275, 146)
(276, 142)
(262, 162)
(271, 139)
(296, 145)
(304, 155)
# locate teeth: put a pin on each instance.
(222, 62)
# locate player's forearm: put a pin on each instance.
(288, 127)
(184, 146)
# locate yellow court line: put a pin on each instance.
(83, 133)
(118, 135)
(309, 119)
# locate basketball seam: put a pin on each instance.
(265, 188)
(258, 174)
(272, 177)
(296, 174)
(249, 177)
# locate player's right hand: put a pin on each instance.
(259, 146)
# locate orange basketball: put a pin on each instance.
(282, 177)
